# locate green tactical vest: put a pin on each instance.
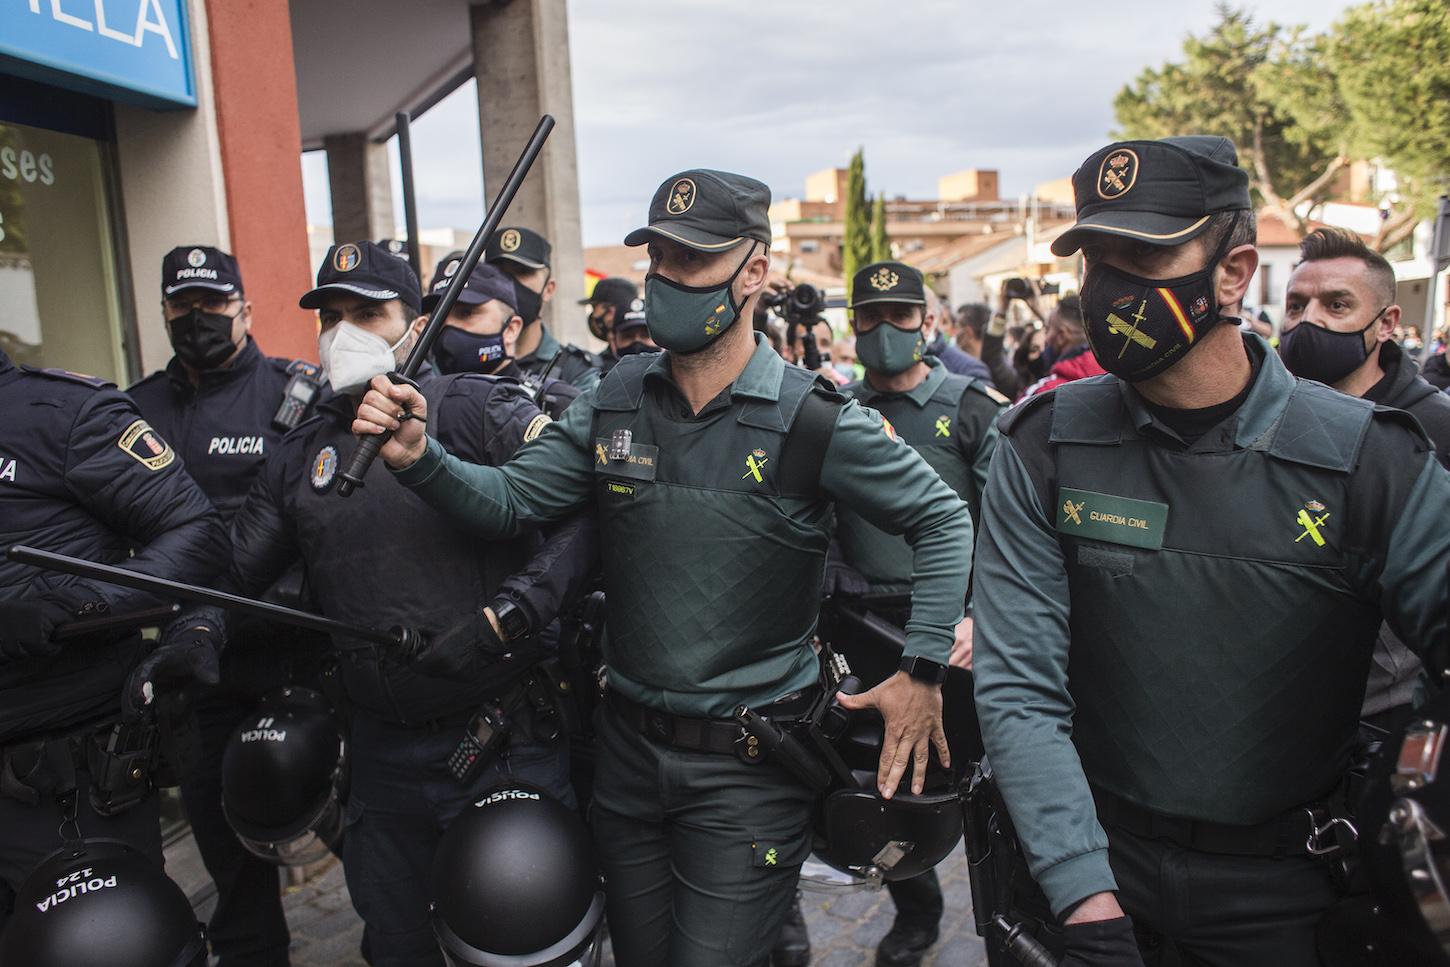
(712, 575)
(1218, 654)
(885, 559)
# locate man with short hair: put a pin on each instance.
(1072, 356)
(713, 468)
(628, 336)
(482, 332)
(609, 300)
(523, 254)
(224, 406)
(980, 335)
(938, 345)
(1182, 569)
(1339, 319)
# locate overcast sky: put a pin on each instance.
(781, 89)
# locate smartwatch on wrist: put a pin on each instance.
(924, 670)
(513, 624)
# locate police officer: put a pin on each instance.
(949, 420)
(713, 468)
(608, 301)
(82, 473)
(1182, 568)
(628, 335)
(223, 405)
(524, 255)
(476, 601)
(482, 331)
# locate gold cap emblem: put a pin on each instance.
(682, 197)
(1118, 173)
(510, 240)
(346, 258)
(884, 280)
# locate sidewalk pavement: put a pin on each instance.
(844, 927)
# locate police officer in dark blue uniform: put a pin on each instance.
(82, 473)
(224, 405)
(524, 255)
(478, 602)
(482, 333)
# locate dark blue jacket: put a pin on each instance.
(82, 473)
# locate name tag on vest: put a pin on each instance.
(641, 464)
(1105, 517)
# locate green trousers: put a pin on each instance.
(701, 852)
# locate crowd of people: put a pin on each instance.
(1153, 569)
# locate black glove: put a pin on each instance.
(1101, 943)
(460, 652)
(189, 652)
(27, 624)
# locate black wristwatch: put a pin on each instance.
(924, 670)
(513, 623)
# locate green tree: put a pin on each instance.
(1392, 61)
(880, 241)
(1270, 89)
(856, 239)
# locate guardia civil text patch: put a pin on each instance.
(1107, 517)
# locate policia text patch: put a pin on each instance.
(1105, 517)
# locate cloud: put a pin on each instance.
(778, 90)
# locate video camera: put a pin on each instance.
(800, 307)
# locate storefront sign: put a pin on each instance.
(135, 50)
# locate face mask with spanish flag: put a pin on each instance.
(1139, 327)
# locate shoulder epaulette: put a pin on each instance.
(95, 382)
(990, 392)
(310, 370)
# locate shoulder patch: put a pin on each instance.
(991, 393)
(145, 446)
(95, 382)
(536, 426)
(302, 366)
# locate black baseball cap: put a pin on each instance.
(395, 247)
(366, 269)
(486, 282)
(887, 282)
(709, 211)
(630, 316)
(1161, 192)
(199, 267)
(612, 291)
(522, 245)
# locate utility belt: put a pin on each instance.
(1313, 829)
(119, 757)
(716, 736)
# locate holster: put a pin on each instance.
(120, 758)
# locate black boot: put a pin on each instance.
(905, 945)
(793, 943)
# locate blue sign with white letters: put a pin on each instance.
(132, 50)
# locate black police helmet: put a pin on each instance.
(1402, 818)
(860, 832)
(284, 777)
(101, 902)
(515, 883)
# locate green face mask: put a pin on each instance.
(687, 318)
(889, 350)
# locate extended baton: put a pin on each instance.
(189, 592)
(367, 449)
(403, 122)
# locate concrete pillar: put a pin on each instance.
(521, 60)
(362, 187)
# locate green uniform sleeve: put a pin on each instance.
(977, 425)
(1020, 666)
(1412, 584)
(588, 379)
(547, 479)
(890, 485)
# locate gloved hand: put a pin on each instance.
(189, 652)
(27, 624)
(461, 651)
(1101, 943)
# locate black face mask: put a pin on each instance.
(202, 340)
(460, 351)
(530, 303)
(1138, 327)
(638, 346)
(1313, 352)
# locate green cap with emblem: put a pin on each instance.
(709, 211)
(887, 282)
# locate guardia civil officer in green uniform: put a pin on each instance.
(714, 468)
(951, 421)
(524, 255)
(1182, 569)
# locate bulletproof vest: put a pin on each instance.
(712, 571)
(383, 557)
(886, 559)
(1218, 654)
